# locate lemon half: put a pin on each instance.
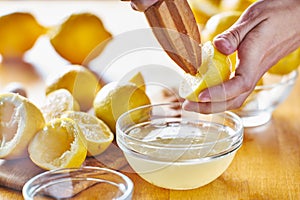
(61, 144)
(215, 69)
(20, 120)
(96, 132)
(57, 102)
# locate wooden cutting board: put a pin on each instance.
(15, 173)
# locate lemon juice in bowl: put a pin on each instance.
(179, 150)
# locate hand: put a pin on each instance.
(266, 32)
(142, 5)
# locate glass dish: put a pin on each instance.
(79, 183)
(176, 149)
(259, 106)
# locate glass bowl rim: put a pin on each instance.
(26, 190)
(237, 137)
(292, 77)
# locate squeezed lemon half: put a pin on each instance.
(20, 120)
(60, 144)
(57, 102)
(96, 132)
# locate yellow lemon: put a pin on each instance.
(287, 64)
(79, 81)
(113, 100)
(219, 23)
(18, 33)
(96, 132)
(138, 80)
(60, 144)
(20, 120)
(237, 5)
(215, 69)
(203, 9)
(78, 36)
(57, 102)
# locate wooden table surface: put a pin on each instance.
(266, 167)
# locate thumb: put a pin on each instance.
(228, 41)
(142, 5)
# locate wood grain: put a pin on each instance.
(15, 173)
(175, 28)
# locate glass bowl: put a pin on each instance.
(175, 149)
(79, 183)
(259, 106)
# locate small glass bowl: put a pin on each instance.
(175, 149)
(79, 183)
(259, 106)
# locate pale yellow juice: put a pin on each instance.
(180, 155)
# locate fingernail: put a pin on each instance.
(133, 6)
(223, 45)
(204, 97)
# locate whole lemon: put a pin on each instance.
(237, 5)
(113, 100)
(78, 36)
(18, 33)
(82, 83)
(218, 23)
(287, 64)
(204, 9)
(20, 121)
